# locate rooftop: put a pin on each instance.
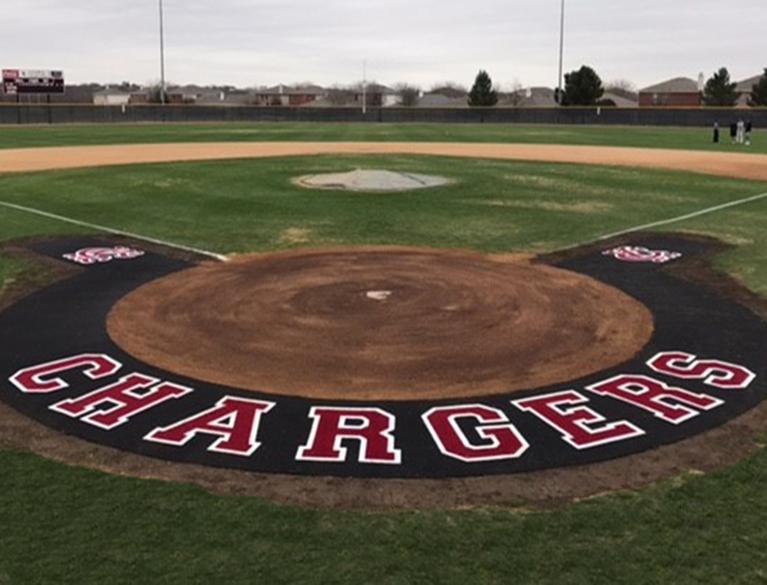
(676, 85)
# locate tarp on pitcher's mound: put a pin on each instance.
(498, 401)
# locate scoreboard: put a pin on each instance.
(26, 81)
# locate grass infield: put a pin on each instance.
(63, 525)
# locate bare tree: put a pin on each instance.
(154, 91)
(516, 94)
(449, 89)
(623, 88)
(408, 94)
(340, 96)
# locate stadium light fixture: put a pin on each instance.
(561, 49)
(162, 55)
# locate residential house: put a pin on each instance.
(744, 89)
(377, 95)
(239, 97)
(285, 95)
(438, 100)
(620, 100)
(194, 94)
(531, 97)
(680, 91)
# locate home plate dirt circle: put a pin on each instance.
(380, 324)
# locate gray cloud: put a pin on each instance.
(269, 41)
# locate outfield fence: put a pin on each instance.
(91, 114)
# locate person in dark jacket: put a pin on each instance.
(749, 127)
(716, 132)
(733, 131)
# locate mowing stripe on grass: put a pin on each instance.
(679, 218)
(114, 231)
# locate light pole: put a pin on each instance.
(364, 87)
(561, 49)
(162, 56)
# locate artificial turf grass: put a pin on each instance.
(634, 136)
(10, 269)
(71, 525)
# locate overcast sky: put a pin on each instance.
(260, 42)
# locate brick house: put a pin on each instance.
(680, 91)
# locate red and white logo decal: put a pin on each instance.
(716, 373)
(88, 256)
(233, 420)
(669, 403)
(469, 433)
(500, 439)
(114, 405)
(641, 254)
(372, 428)
(579, 425)
(42, 379)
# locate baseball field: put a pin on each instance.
(687, 509)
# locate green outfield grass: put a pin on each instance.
(649, 137)
(62, 524)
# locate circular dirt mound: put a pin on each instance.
(380, 323)
(372, 180)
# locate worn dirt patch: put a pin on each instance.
(295, 235)
(574, 207)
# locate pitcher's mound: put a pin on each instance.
(371, 180)
(380, 323)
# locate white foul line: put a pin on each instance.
(654, 224)
(117, 232)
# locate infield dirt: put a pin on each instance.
(385, 323)
(738, 165)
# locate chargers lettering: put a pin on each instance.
(90, 389)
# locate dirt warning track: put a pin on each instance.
(736, 165)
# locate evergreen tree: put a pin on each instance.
(719, 91)
(582, 88)
(758, 95)
(482, 92)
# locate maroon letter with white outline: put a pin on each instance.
(716, 373)
(503, 439)
(42, 379)
(578, 424)
(372, 427)
(119, 401)
(664, 401)
(233, 419)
